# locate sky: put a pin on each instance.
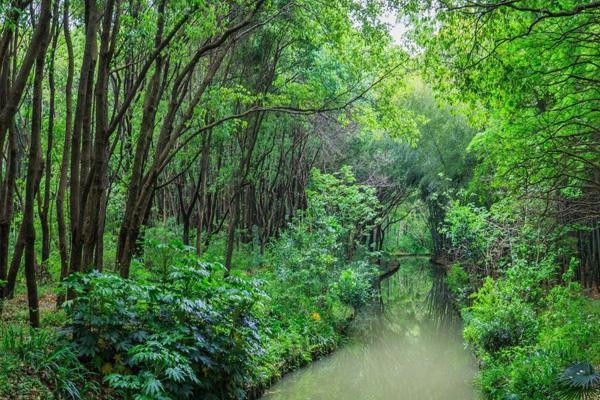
(397, 28)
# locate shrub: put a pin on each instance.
(467, 228)
(527, 326)
(496, 321)
(459, 284)
(183, 329)
(318, 276)
(353, 288)
(323, 240)
(527, 335)
(194, 333)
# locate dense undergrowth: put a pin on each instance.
(184, 327)
(533, 328)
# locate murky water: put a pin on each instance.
(412, 350)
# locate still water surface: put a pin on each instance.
(407, 348)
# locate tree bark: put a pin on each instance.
(34, 170)
(84, 94)
(62, 182)
(44, 209)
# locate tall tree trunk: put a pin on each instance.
(82, 112)
(7, 184)
(12, 87)
(34, 170)
(45, 207)
(6, 210)
(62, 182)
(93, 188)
(125, 245)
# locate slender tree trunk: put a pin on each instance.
(34, 171)
(93, 188)
(204, 163)
(12, 91)
(231, 232)
(8, 190)
(7, 187)
(151, 100)
(81, 119)
(62, 182)
(45, 207)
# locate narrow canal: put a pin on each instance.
(408, 347)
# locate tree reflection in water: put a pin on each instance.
(412, 349)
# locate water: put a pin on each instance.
(412, 350)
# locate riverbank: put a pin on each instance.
(183, 324)
(529, 333)
(319, 351)
(412, 348)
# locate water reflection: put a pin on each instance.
(411, 351)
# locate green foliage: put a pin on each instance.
(183, 328)
(337, 202)
(497, 320)
(538, 108)
(527, 324)
(39, 363)
(312, 253)
(319, 275)
(246, 256)
(459, 283)
(526, 333)
(353, 288)
(162, 250)
(469, 232)
(194, 333)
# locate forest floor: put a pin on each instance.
(16, 309)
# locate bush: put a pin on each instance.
(318, 275)
(495, 321)
(323, 240)
(196, 333)
(467, 228)
(183, 329)
(353, 288)
(527, 334)
(459, 284)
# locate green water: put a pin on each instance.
(408, 347)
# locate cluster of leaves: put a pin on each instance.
(353, 287)
(480, 238)
(582, 381)
(528, 325)
(193, 333)
(459, 283)
(540, 115)
(323, 239)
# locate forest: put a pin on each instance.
(300, 199)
